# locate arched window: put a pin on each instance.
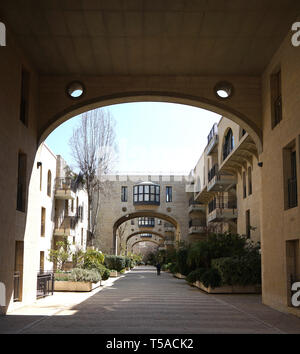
(49, 183)
(228, 144)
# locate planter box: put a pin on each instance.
(75, 285)
(230, 289)
(179, 276)
(113, 274)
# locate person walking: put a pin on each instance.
(158, 266)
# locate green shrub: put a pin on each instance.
(181, 261)
(122, 271)
(244, 270)
(114, 262)
(195, 275)
(127, 262)
(211, 277)
(174, 268)
(201, 253)
(166, 266)
(104, 272)
(79, 274)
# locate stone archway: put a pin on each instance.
(147, 213)
(139, 233)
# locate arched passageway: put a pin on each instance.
(144, 213)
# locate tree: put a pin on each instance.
(120, 233)
(93, 148)
(61, 254)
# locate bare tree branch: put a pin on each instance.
(94, 150)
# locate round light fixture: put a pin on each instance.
(75, 89)
(223, 89)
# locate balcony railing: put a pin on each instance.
(212, 133)
(65, 183)
(292, 193)
(197, 222)
(45, 284)
(68, 222)
(213, 172)
(222, 203)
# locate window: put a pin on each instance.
(73, 240)
(248, 227)
(290, 176)
(276, 102)
(132, 221)
(146, 222)
(168, 194)
(158, 222)
(81, 236)
(124, 194)
(66, 207)
(228, 144)
(24, 104)
(41, 176)
(43, 221)
(21, 188)
(49, 177)
(146, 193)
(249, 181)
(244, 185)
(18, 273)
(42, 261)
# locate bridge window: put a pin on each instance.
(146, 235)
(168, 194)
(124, 194)
(146, 193)
(146, 222)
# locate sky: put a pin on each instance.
(152, 137)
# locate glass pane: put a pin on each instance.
(146, 189)
(141, 197)
(135, 198)
(140, 189)
(152, 198)
(157, 189)
(135, 189)
(146, 197)
(152, 189)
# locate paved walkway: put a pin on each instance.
(142, 302)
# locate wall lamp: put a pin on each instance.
(39, 164)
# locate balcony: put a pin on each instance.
(195, 206)
(65, 226)
(65, 188)
(212, 140)
(197, 226)
(222, 209)
(169, 227)
(219, 181)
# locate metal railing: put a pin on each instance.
(17, 283)
(192, 201)
(213, 172)
(212, 133)
(222, 203)
(292, 193)
(197, 222)
(65, 183)
(45, 284)
(68, 222)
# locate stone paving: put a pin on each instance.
(142, 302)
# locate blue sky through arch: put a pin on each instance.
(152, 137)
